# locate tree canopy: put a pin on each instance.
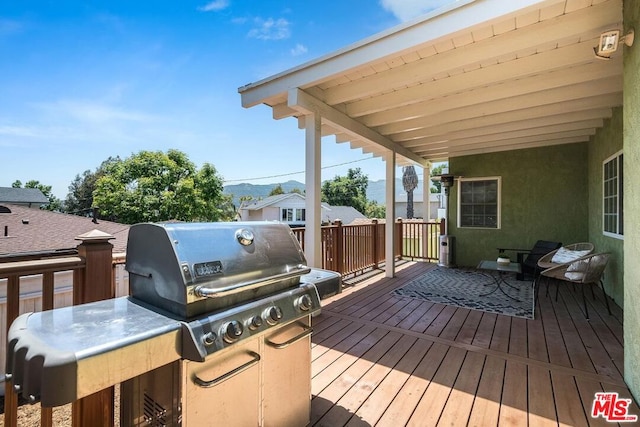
(156, 186)
(350, 190)
(79, 200)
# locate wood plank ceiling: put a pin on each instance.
(526, 78)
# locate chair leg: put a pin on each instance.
(606, 298)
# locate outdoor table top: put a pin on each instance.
(512, 267)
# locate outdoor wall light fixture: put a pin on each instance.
(609, 41)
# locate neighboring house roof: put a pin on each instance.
(34, 230)
(346, 214)
(22, 195)
(254, 205)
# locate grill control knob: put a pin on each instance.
(274, 314)
(232, 331)
(209, 338)
(255, 323)
(305, 303)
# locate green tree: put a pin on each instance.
(157, 186)
(350, 190)
(276, 190)
(79, 200)
(436, 184)
(55, 204)
(375, 210)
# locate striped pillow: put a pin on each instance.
(564, 255)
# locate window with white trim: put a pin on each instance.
(293, 214)
(612, 196)
(479, 202)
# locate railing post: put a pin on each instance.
(400, 238)
(94, 283)
(374, 235)
(339, 246)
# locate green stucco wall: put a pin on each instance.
(606, 142)
(631, 136)
(544, 197)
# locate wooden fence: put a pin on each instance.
(37, 282)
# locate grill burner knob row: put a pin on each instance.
(232, 331)
(273, 315)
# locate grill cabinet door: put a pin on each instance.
(287, 375)
(212, 400)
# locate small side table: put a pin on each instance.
(512, 267)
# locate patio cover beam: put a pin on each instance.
(307, 104)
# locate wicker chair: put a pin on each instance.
(584, 248)
(581, 249)
(587, 270)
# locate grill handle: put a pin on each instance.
(203, 291)
(305, 333)
(255, 358)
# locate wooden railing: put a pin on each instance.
(92, 265)
(350, 250)
(353, 249)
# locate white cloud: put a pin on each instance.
(214, 6)
(408, 9)
(92, 112)
(299, 49)
(270, 29)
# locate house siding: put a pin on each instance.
(544, 197)
(606, 142)
(631, 135)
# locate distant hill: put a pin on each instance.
(375, 189)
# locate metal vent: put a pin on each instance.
(155, 415)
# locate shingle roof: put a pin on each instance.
(253, 205)
(32, 230)
(22, 195)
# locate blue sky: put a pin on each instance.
(84, 80)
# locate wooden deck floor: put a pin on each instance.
(388, 361)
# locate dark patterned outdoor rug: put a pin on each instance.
(465, 287)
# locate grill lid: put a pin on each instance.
(193, 268)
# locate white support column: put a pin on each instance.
(426, 191)
(313, 239)
(390, 223)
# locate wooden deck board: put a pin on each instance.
(383, 360)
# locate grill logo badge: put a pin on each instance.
(612, 408)
(210, 268)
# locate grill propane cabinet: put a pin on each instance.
(216, 331)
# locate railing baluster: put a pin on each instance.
(13, 309)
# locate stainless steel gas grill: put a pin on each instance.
(216, 331)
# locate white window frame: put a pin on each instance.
(616, 181)
(498, 179)
(293, 215)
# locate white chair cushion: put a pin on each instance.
(564, 255)
(574, 275)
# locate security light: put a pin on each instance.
(609, 41)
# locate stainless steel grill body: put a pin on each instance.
(189, 269)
